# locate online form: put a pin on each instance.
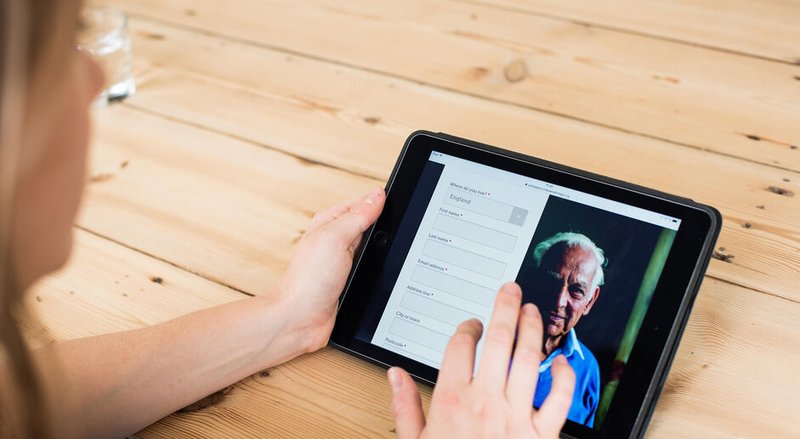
(473, 237)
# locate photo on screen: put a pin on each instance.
(592, 313)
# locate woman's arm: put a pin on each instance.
(119, 383)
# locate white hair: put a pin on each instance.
(572, 239)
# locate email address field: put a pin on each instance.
(465, 259)
(475, 233)
(453, 285)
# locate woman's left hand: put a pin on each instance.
(320, 265)
(115, 390)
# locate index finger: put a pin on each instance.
(459, 357)
(527, 356)
(493, 367)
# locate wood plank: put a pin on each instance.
(693, 96)
(107, 287)
(224, 208)
(735, 372)
(323, 395)
(713, 389)
(331, 394)
(765, 29)
(360, 120)
(213, 204)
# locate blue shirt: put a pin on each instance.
(587, 380)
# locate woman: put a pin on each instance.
(113, 385)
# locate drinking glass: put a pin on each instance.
(106, 38)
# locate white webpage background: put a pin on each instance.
(418, 318)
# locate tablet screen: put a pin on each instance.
(590, 264)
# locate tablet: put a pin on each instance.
(462, 218)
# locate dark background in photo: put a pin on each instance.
(627, 244)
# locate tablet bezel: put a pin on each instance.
(665, 318)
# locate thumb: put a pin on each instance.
(350, 225)
(406, 407)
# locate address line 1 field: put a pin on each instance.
(434, 309)
(476, 233)
(453, 285)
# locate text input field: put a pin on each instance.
(465, 259)
(486, 206)
(435, 309)
(475, 233)
(453, 285)
(419, 334)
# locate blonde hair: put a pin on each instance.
(29, 31)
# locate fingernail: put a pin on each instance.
(373, 196)
(394, 379)
(510, 289)
(474, 322)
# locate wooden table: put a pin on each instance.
(251, 115)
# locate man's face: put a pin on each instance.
(566, 279)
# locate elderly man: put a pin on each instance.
(569, 272)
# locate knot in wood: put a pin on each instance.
(516, 70)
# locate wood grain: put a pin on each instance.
(766, 29)
(227, 209)
(108, 288)
(735, 374)
(330, 394)
(275, 111)
(685, 94)
(322, 395)
(724, 370)
(252, 115)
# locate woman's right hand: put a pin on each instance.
(497, 402)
